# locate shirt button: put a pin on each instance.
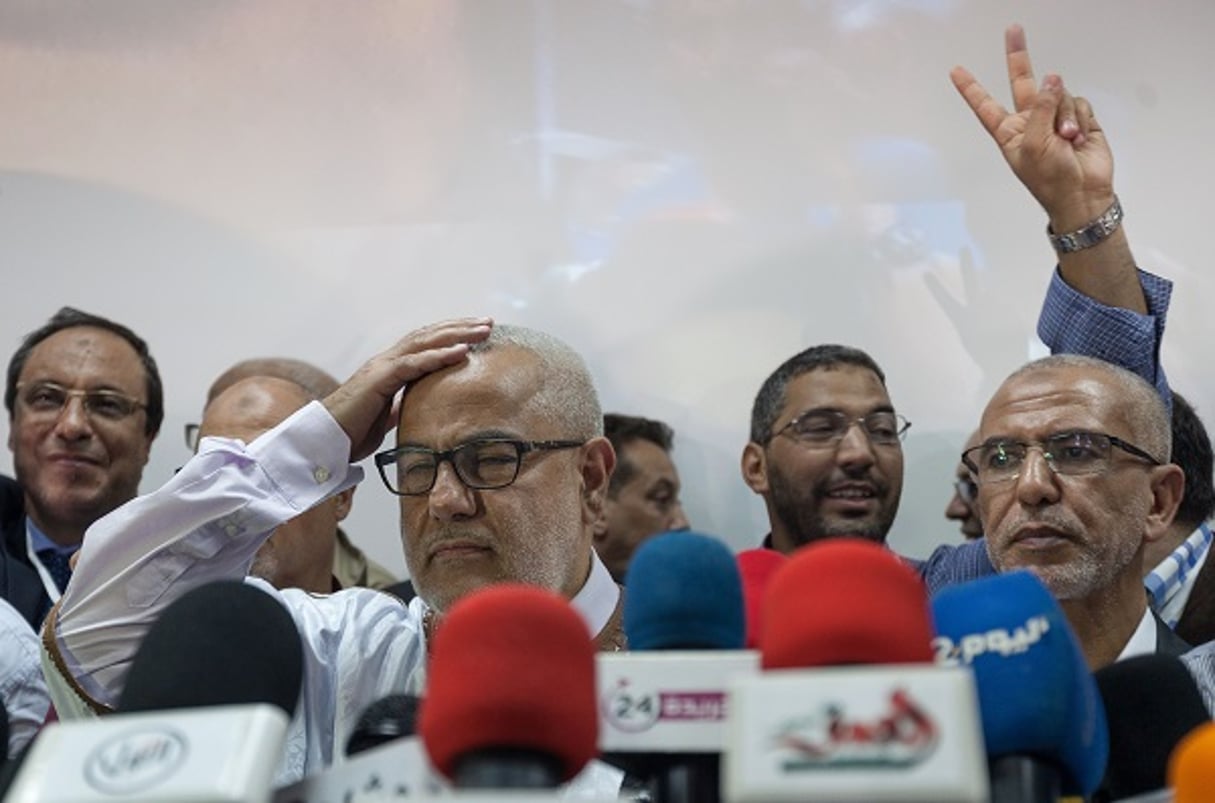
(320, 474)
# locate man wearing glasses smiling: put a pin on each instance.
(825, 450)
(85, 402)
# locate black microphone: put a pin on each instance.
(386, 720)
(203, 715)
(224, 643)
(1151, 703)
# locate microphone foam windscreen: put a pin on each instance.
(224, 643)
(511, 667)
(845, 601)
(757, 568)
(1036, 695)
(1151, 703)
(1192, 766)
(683, 593)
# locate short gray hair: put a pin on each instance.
(1144, 408)
(569, 393)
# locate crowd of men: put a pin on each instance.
(1085, 468)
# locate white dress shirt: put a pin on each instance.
(1143, 640)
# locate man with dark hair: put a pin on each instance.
(643, 496)
(1181, 581)
(85, 402)
(825, 450)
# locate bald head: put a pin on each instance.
(299, 554)
(1088, 490)
(1137, 402)
(313, 380)
(251, 406)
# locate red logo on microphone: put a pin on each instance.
(903, 736)
(633, 709)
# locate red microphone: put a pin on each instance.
(850, 706)
(510, 701)
(757, 567)
(846, 601)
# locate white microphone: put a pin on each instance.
(222, 754)
(495, 796)
(667, 702)
(849, 706)
(871, 734)
(401, 770)
(396, 770)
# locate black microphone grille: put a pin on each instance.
(223, 643)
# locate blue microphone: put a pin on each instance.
(1043, 720)
(663, 704)
(684, 592)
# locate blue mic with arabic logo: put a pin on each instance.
(1043, 719)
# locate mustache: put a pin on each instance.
(449, 536)
(823, 487)
(1051, 519)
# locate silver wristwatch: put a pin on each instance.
(1091, 233)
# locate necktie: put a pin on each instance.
(57, 564)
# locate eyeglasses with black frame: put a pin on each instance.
(482, 464)
(47, 399)
(1074, 453)
(821, 428)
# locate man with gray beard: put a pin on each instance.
(1073, 485)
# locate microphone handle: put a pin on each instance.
(691, 778)
(1021, 779)
(507, 768)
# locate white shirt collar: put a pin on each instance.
(1143, 640)
(597, 600)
